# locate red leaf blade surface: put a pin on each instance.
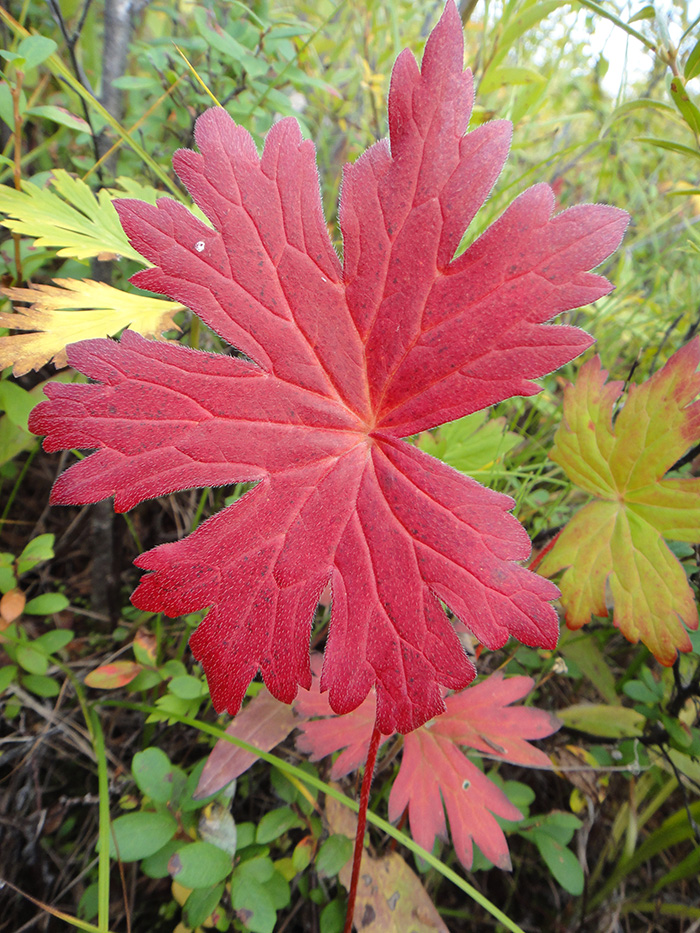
(343, 362)
(435, 775)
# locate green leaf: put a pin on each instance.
(229, 47)
(187, 687)
(67, 216)
(471, 444)
(88, 905)
(156, 865)
(16, 402)
(692, 65)
(137, 835)
(33, 661)
(561, 861)
(200, 865)
(38, 549)
(253, 905)
(275, 824)
(46, 604)
(670, 145)
(40, 686)
(333, 855)
(59, 115)
(558, 824)
(246, 834)
(524, 20)
(647, 12)
(201, 903)
(585, 653)
(640, 693)
(7, 675)
(640, 103)
(607, 722)
(278, 889)
(155, 776)
(35, 50)
(51, 642)
(333, 916)
(684, 103)
(256, 869)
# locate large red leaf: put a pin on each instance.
(343, 362)
(435, 775)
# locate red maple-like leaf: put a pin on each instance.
(435, 774)
(344, 361)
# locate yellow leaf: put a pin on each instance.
(75, 310)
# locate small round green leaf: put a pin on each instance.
(253, 904)
(201, 903)
(154, 774)
(186, 687)
(333, 854)
(137, 835)
(200, 865)
(275, 824)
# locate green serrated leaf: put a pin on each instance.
(67, 216)
(615, 544)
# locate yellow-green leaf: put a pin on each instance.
(67, 216)
(607, 722)
(75, 310)
(472, 444)
(617, 539)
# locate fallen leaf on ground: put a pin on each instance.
(390, 896)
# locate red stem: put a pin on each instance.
(361, 826)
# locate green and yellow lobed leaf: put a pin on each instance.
(617, 540)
